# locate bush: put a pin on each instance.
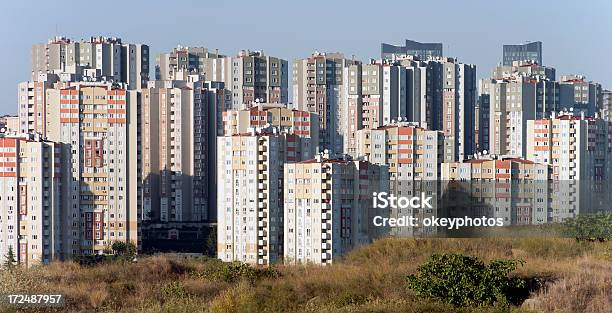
(235, 271)
(465, 280)
(590, 227)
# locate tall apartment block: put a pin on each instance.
(250, 194)
(606, 100)
(423, 51)
(30, 221)
(327, 204)
(94, 123)
(251, 75)
(192, 60)
(412, 156)
(579, 151)
(514, 189)
(580, 95)
(302, 123)
(32, 101)
(320, 86)
(177, 145)
(526, 52)
(512, 101)
(108, 57)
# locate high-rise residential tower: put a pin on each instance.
(526, 52)
(107, 57)
(250, 192)
(320, 223)
(320, 86)
(177, 149)
(30, 215)
(423, 51)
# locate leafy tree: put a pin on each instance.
(9, 259)
(125, 249)
(211, 241)
(466, 281)
(590, 227)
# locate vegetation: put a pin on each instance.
(9, 259)
(465, 280)
(590, 227)
(561, 275)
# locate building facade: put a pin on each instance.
(30, 219)
(177, 144)
(423, 51)
(327, 204)
(250, 169)
(107, 56)
(526, 52)
(320, 86)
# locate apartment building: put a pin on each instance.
(512, 101)
(580, 95)
(305, 124)
(523, 52)
(9, 123)
(192, 60)
(606, 97)
(30, 199)
(320, 86)
(95, 124)
(524, 68)
(513, 189)
(579, 151)
(412, 156)
(251, 75)
(177, 144)
(107, 56)
(32, 101)
(423, 51)
(327, 207)
(250, 169)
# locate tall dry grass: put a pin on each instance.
(370, 279)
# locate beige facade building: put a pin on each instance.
(9, 123)
(177, 146)
(302, 123)
(30, 220)
(513, 189)
(320, 85)
(579, 151)
(250, 194)
(251, 75)
(413, 156)
(95, 124)
(106, 57)
(327, 206)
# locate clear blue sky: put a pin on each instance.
(577, 35)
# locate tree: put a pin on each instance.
(125, 249)
(9, 262)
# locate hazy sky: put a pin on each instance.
(577, 35)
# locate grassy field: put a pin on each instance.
(577, 278)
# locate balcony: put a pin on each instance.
(326, 236)
(262, 214)
(262, 242)
(326, 216)
(325, 246)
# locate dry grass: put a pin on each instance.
(371, 279)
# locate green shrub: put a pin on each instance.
(173, 289)
(590, 227)
(465, 280)
(235, 271)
